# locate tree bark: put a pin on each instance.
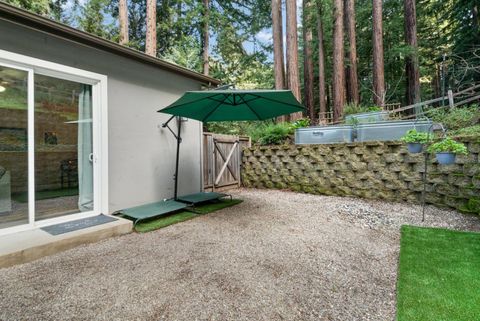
(378, 64)
(278, 59)
(123, 21)
(352, 73)
(322, 94)
(308, 59)
(151, 34)
(206, 37)
(292, 54)
(411, 61)
(338, 79)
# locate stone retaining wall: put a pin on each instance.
(374, 170)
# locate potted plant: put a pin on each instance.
(446, 150)
(415, 140)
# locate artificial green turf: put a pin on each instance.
(181, 216)
(439, 275)
(42, 195)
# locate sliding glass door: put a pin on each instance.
(63, 147)
(47, 162)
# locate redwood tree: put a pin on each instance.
(292, 53)
(411, 61)
(322, 95)
(206, 36)
(351, 70)
(278, 60)
(151, 34)
(338, 77)
(123, 21)
(308, 59)
(378, 65)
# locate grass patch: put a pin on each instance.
(439, 275)
(43, 195)
(182, 216)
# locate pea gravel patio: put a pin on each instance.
(277, 256)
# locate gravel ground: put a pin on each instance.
(277, 256)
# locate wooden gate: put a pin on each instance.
(222, 160)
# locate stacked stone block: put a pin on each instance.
(373, 170)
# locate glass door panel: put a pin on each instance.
(63, 147)
(13, 147)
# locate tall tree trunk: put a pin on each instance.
(338, 79)
(292, 53)
(411, 61)
(378, 65)
(322, 94)
(277, 29)
(308, 59)
(352, 73)
(278, 60)
(151, 36)
(123, 21)
(206, 36)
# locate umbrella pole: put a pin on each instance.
(179, 140)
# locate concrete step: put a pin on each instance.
(30, 245)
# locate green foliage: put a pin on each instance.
(261, 132)
(472, 131)
(40, 7)
(448, 145)
(351, 109)
(413, 136)
(438, 275)
(271, 134)
(92, 19)
(300, 123)
(456, 118)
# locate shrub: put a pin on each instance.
(456, 118)
(271, 134)
(448, 145)
(352, 108)
(467, 131)
(412, 136)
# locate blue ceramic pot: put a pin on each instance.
(415, 148)
(446, 158)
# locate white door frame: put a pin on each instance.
(100, 132)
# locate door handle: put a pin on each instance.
(90, 157)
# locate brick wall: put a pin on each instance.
(374, 170)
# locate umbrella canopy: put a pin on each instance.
(234, 105)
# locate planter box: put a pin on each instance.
(324, 135)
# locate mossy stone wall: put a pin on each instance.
(374, 170)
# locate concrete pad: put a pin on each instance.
(30, 245)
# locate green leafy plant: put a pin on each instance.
(352, 108)
(448, 145)
(471, 131)
(456, 118)
(300, 123)
(273, 134)
(413, 136)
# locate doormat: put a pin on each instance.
(76, 225)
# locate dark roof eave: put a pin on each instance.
(30, 20)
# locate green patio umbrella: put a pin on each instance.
(229, 105)
(234, 105)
